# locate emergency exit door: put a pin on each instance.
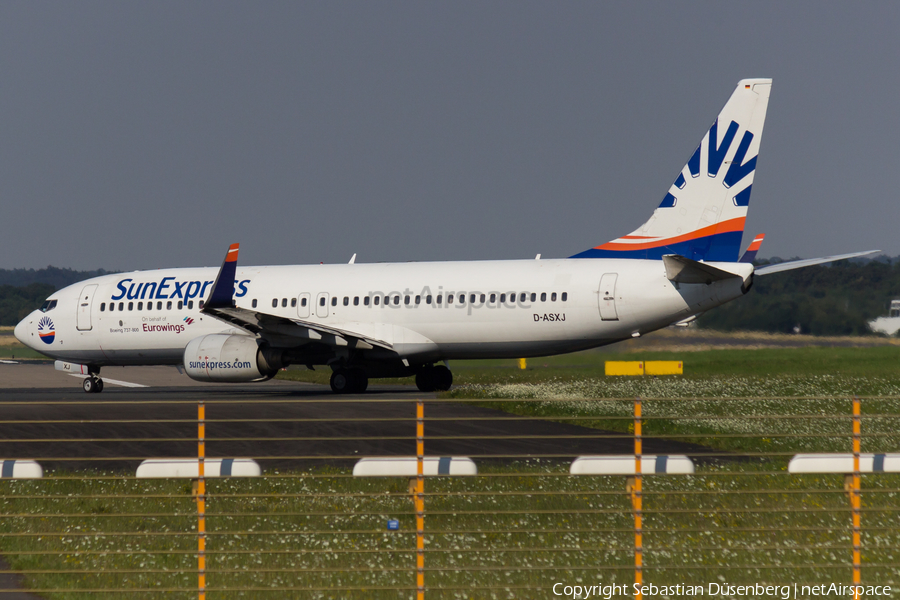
(607, 297)
(85, 300)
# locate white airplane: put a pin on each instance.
(242, 324)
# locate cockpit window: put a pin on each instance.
(48, 305)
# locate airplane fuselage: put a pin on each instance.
(425, 312)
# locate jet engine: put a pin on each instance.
(230, 358)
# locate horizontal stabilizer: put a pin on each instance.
(684, 270)
(799, 264)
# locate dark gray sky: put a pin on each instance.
(153, 134)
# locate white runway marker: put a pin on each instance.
(112, 381)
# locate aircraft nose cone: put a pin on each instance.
(21, 331)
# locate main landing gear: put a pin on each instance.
(92, 384)
(434, 379)
(349, 381)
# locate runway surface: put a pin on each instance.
(283, 425)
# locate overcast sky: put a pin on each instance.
(139, 135)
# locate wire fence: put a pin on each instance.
(524, 522)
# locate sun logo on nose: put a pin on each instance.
(46, 330)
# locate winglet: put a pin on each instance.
(222, 293)
(750, 253)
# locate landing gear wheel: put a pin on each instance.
(360, 381)
(92, 385)
(424, 380)
(349, 381)
(341, 382)
(442, 378)
(434, 379)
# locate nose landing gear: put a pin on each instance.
(92, 384)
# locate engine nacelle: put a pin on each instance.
(231, 358)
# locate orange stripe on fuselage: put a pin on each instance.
(723, 227)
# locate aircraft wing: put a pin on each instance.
(799, 264)
(220, 305)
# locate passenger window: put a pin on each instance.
(334, 300)
(397, 300)
(201, 304)
(482, 298)
(471, 298)
(191, 304)
(180, 305)
(274, 302)
(439, 298)
(355, 300)
(533, 296)
(322, 301)
(449, 299)
(427, 299)
(140, 306)
(169, 305)
(366, 300)
(102, 306)
(377, 300)
(131, 306)
(418, 299)
(565, 296)
(543, 296)
(293, 303)
(553, 297)
(253, 304)
(522, 297)
(284, 303)
(303, 302)
(503, 298)
(121, 306)
(346, 301)
(493, 298)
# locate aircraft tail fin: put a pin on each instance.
(702, 215)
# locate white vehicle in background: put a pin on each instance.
(890, 324)
(364, 321)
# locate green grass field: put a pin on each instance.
(877, 361)
(518, 527)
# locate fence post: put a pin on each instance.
(420, 500)
(854, 497)
(637, 502)
(201, 501)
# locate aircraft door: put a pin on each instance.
(322, 305)
(607, 297)
(85, 300)
(303, 306)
